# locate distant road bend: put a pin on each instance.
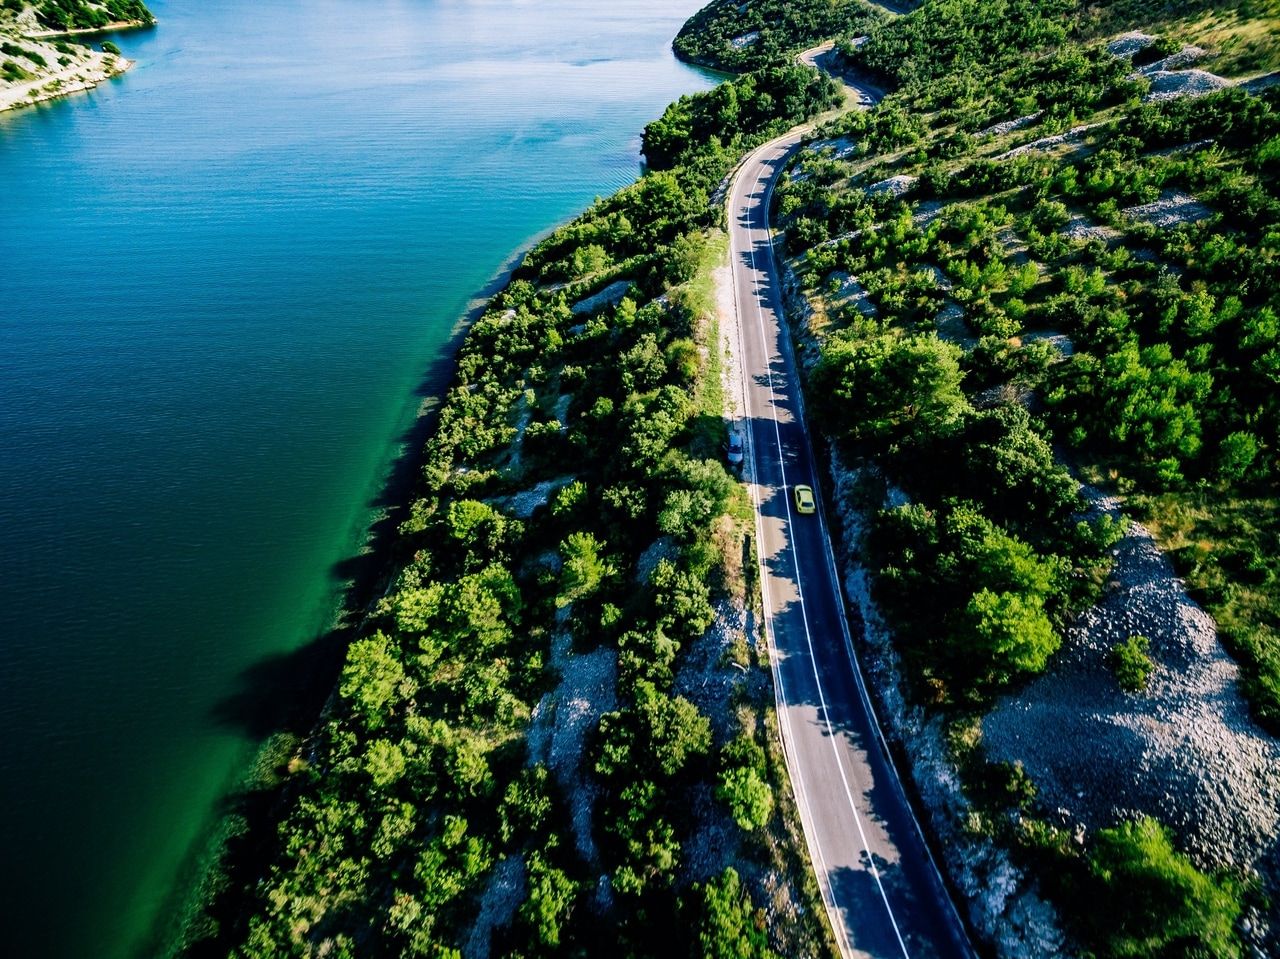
(883, 892)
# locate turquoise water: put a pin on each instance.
(223, 280)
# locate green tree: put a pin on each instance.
(885, 389)
(584, 568)
(1011, 632)
(748, 795)
(1159, 904)
(550, 903)
(729, 926)
(370, 679)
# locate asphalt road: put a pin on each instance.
(883, 892)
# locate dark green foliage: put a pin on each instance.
(13, 73)
(783, 27)
(90, 14)
(902, 388)
(729, 925)
(738, 112)
(1158, 904)
(1132, 664)
(947, 38)
(13, 50)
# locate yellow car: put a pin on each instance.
(804, 500)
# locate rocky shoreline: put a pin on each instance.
(39, 65)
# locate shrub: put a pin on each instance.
(1131, 664)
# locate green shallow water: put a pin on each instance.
(225, 284)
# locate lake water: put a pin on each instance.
(223, 279)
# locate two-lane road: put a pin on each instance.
(882, 890)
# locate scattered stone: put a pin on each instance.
(926, 212)
(1264, 82)
(502, 896)
(1171, 84)
(851, 293)
(1185, 751)
(1171, 209)
(1183, 58)
(564, 718)
(1127, 45)
(746, 40)
(1080, 227)
(1184, 148)
(1008, 126)
(1061, 343)
(899, 185)
(524, 504)
(939, 276)
(1074, 135)
(952, 327)
(840, 148)
(611, 295)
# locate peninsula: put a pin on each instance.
(37, 60)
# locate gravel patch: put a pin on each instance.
(1008, 126)
(524, 504)
(1080, 227)
(926, 212)
(1129, 44)
(746, 40)
(899, 185)
(850, 293)
(1172, 84)
(840, 148)
(952, 327)
(1074, 135)
(1184, 751)
(1061, 343)
(1183, 58)
(1170, 210)
(562, 721)
(1264, 82)
(939, 276)
(611, 295)
(708, 679)
(501, 898)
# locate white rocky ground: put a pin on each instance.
(1172, 208)
(1185, 751)
(80, 69)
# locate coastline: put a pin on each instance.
(82, 67)
(75, 79)
(236, 843)
(114, 27)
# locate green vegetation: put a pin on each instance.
(420, 781)
(1131, 663)
(13, 73)
(90, 14)
(729, 35)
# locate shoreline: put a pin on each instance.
(225, 855)
(114, 26)
(54, 85)
(80, 71)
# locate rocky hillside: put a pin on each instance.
(39, 62)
